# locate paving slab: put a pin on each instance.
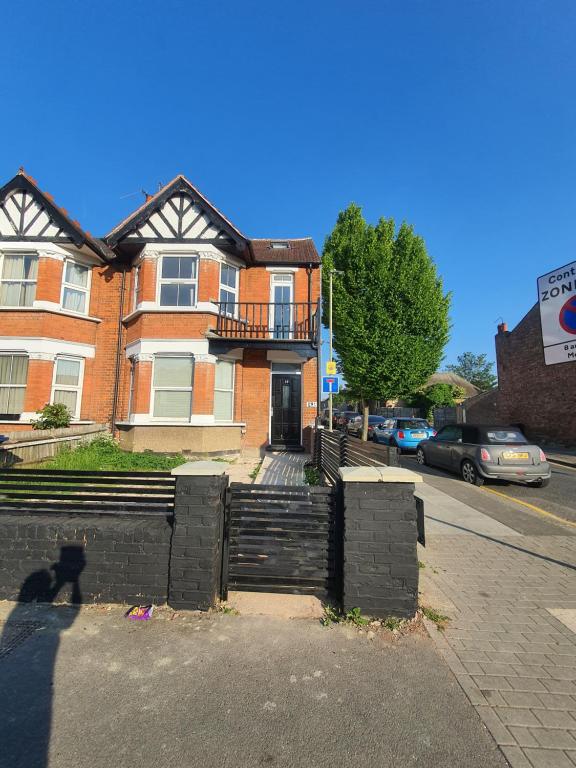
(510, 595)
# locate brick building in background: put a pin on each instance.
(175, 328)
(540, 397)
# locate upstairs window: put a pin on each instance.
(67, 383)
(178, 281)
(18, 275)
(76, 287)
(13, 376)
(228, 289)
(279, 245)
(137, 286)
(172, 383)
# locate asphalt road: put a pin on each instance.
(557, 499)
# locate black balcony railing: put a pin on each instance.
(281, 322)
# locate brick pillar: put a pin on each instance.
(204, 374)
(142, 384)
(196, 548)
(380, 534)
(39, 383)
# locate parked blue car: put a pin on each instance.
(403, 433)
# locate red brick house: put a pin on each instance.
(175, 327)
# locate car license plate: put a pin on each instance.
(418, 434)
(515, 455)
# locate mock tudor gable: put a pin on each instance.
(178, 213)
(28, 214)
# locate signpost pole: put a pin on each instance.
(330, 348)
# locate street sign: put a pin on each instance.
(330, 385)
(557, 299)
(331, 367)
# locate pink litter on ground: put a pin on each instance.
(140, 612)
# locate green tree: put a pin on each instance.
(434, 396)
(390, 313)
(476, 369)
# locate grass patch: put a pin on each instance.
(227, 610)
(438, 618)
(421, 564)
(336, 616)
(103, 453)
(311, 476)
(254, 473)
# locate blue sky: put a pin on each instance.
(458, 116)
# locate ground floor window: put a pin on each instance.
(13, 376)
(172, 383)
(224, 391)
(67, 383)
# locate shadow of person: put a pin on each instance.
(27, 668)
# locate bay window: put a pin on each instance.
(18, 275)
(76, 287)
(13, 376)
(67, 383)
(172, 382)
(224, 391)
(178, 281)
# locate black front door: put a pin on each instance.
(286, 410)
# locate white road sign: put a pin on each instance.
(557, 299)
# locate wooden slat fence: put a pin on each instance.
(80, 492)
(336, 449)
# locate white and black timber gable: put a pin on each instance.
(27, 213)
(178, 213)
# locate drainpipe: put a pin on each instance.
(118, 353)
(319, 349)
(309, 273)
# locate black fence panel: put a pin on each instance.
(336, 449)
(282, 539)
(83, 492)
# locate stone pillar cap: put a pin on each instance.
(379, 475)
(208, 468)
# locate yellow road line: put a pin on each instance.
(530, 506)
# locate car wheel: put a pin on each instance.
(540, 483)
(420, 457)
(470, 474)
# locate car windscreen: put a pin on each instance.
(504, 436)
(413, 424)
(376, 419)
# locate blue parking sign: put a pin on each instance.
(330, 385)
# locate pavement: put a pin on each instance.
(185, 690)
(505, 575)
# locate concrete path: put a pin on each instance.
(281, 468)
(511, 639)
(227, 692)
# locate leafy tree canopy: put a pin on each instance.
(390, 313)
(476, 369)
(434, 396)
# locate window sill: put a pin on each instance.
(152, 423)
(203, 307)
(63, 312)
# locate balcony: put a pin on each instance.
(268, 324)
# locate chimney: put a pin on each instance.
(503, 327)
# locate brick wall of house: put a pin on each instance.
(541, 397)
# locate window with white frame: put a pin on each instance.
(178, 281)
(172, 382)
(228, 289)
(13, 376)
(137, 286)
(67, 383)
(224, 391)
(76, 287)
(18, 275)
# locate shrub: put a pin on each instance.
(53, 416)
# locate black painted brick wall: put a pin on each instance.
(196, 561)
(126, 559)
(380, 557)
